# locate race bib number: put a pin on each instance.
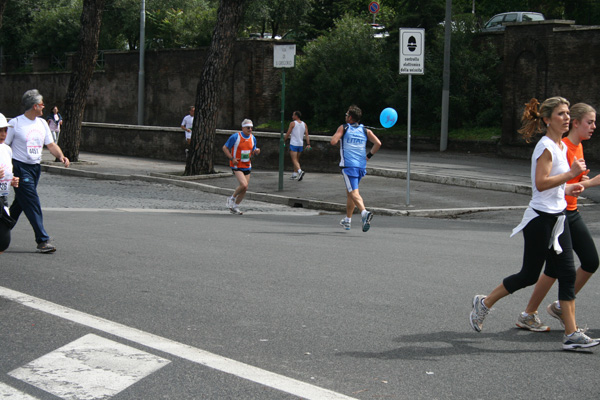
(34, 148)
(4, 186)
(34, 151)
(245, 157)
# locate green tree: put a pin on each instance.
(201, 156)
(425, 14)
(121, 25)
(175, 27)
(323, 14)
(343, 67)
(475, 98)
(169, 23)
(584, 12)
(17, 19)
(54, 30)
(277, 16)
(2, 7)
(47, 27)
(84, 63)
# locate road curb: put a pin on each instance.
(453, 180)
(294, 202)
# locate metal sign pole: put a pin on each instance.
(374, 9)
(283, 57)
(412, 62)
(408, 141)
(281, 141)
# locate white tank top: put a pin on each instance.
(551, 200)
(297, 135)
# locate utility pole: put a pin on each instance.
(142, 73)
(446, 77)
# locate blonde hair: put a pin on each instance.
(532, 119)
(579, 110)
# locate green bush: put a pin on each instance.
(349, 66)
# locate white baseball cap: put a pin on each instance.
(4, 122)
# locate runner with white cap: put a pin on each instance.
(239, 149)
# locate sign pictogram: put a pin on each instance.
(412, 51)
(374, 7)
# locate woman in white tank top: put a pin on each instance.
(547, 236)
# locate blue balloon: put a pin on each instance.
(388, 117)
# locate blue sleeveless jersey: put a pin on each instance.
(353, 147)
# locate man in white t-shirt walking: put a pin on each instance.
(27, 136)
(186, 125)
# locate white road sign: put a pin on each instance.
(412, 51)
(284, 56)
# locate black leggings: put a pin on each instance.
(4, 231)
(537, 235)
(583, 243)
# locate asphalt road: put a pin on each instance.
(279, 303)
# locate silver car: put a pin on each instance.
(498, 21)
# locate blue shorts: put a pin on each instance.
(352, 177)
(296, 149)
(246, 171)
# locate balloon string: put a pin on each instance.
(372, 127)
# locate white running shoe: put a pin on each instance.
(478, 313)
(555, 312)
(345, 224)
(230, 202)
(532, 322)
(235, 210)
(579, 340)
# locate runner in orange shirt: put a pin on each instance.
(239, 149)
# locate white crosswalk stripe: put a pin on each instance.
(7, 392)
(180, 350)
(89, 368)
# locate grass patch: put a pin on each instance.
(399, 131)
(475, 133)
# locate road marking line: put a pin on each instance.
(91, 367)
(211, 360)
(284, 212)
(12, 393)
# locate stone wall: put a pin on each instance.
(168, 143)
(540, 59)
(252, 87)
(545, 59)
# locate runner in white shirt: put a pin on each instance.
(186, 125)
(6, 181)
(297, 132)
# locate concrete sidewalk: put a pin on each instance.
(441, 184)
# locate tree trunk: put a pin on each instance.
(84, 63)
(201, 156)
(2, 6)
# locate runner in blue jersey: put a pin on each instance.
(352, 138)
